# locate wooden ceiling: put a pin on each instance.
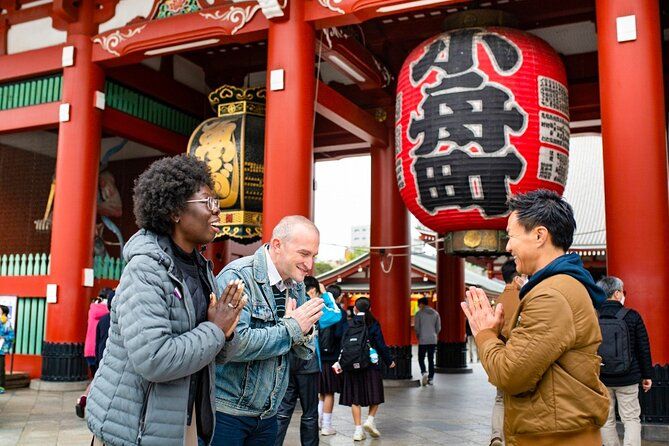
(391, 38)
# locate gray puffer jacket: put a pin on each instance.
(140, 392)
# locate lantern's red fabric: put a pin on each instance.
(538, 60)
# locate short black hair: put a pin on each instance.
(544, 207)
(509, 271)
(422, 301)
(5, 310)
(335, 290)
(364, 305)
(310, 282)
(161, 190)
(105, 293)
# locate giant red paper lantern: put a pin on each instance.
(481, 113)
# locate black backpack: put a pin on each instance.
(327, 341)
(615, 349)
(355, 347)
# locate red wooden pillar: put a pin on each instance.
(289, 126)
(635, 161)
(452, 348)
(390, 278)
(74, 206)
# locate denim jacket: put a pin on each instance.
(252, 374)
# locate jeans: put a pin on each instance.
(629, 410)
(306, 388)
(498, 416)
(244, 431)
(426, 349)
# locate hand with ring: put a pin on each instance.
(480, 313)
(225, 311)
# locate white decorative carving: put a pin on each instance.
(240, 15)
(111, 41)
(329, 4)
(273, 8)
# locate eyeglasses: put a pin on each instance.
(212, 203)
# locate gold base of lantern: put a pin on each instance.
(241, 226)
(476, 242)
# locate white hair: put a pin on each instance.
(610, 284)
(287, 226)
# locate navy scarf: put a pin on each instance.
(571, 265)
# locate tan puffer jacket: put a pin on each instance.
(549, 368)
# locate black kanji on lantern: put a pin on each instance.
(466, 117)
(459, 179)
(462, 108)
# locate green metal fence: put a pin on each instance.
(108, 267)
(30, 325)
(39, 265)
(29, 92)
(25, 264)
(46, 89)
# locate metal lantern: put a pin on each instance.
(233, 145)
(481, 113)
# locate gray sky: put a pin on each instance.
(342, 200)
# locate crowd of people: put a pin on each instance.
(181, 356)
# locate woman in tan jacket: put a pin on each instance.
(548, 369)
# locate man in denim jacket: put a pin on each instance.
(252, 375)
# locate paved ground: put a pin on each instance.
(456, 411)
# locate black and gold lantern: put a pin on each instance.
(233, 146)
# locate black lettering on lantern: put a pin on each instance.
(462, 180)
(475, 116)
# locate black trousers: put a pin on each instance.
(426, 349)
(306, 388)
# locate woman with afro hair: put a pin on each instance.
(155, 384)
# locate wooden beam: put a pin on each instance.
(336, 108)
(213, 26)
(584, 101)
(29, 14)
(161, 87)
(33, 286)
(348, 12)
(31, 63)
(135, 129)
(35, 117)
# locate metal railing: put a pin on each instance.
(39, 264)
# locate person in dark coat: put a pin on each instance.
(330, 382)
(364, 388)
(625, 388)
(102, 330)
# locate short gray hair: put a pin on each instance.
(610, 284)
(286, 227)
